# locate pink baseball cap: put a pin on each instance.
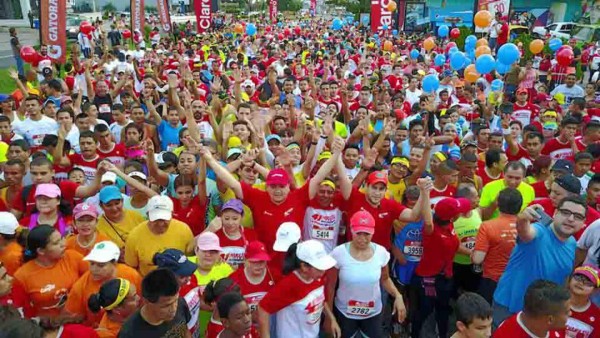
(85, 209)
(278, 176)
(208, 241)
(47, 189)
(362, 221)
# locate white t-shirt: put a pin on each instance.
(359, 293)
(413, 97)
(322, 225)
(34, 131)
(115, 130)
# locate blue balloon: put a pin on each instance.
(443, 31)
(336, 24)
(457, 60)
(365, 20)
(555, 44)
(471, 40)
(502, 68)
(452, 50)
(376, 36)
(485, 64)
(385, 27)
(395, 32)
(251, 29)
(497, 85)
(467, 62)
(414, 54)
(508, 53)
(471, 54)
(431, 83)
(439, 60)
(280, 24)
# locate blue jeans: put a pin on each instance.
(19, 62)
(493, 43)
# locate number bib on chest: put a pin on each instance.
(322, 233)
(413, 248)
(363, 309)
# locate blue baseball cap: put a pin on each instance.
(176, 261)
(110, 193)
(4, 98)
(273, 137)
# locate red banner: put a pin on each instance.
(313, 7)
(380, 16)
(164, 15)
(273, 11)
(137, 15)
(203, 15)
(53, 19)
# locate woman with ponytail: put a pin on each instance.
(118, 299)
(49, 271)
(298, 300)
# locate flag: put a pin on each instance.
(273, 11)
(53, 19)
(380, 16)
(203, 15)
(164, 15)
(137, 15)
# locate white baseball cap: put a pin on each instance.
(288, 233)
(313, 252)
(138, 174)
(109, 176)
(104, 252)
(160, 207)
(8, 223)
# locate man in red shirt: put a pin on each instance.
(545, 313)
(503, 34)
(563, 146)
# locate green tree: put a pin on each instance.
(289, 5)
(108, 8)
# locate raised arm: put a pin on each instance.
(161, 177)
(337, 147)
(131, 181)
(524, 229)
(222, 173)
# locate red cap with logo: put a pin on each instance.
(362, 221)
(278, 176)
(377, 177)
(450, 208)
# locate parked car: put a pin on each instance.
(554, 30)
(586, 33)
(73, 22)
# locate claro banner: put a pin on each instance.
(163, 14)
(54, 25)
(380, 16)
(273, 11)
(203, 15)
(137, 15)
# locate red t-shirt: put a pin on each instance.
(521, 153)
(116, 155)
(485, 177)
(438, 195)
(439, 248)
(525, 113)
(540, 190)
(18, 299)
(89, 167)
(267, 216)
(234, 250)
(514, 328)
(558, 150)
(253, 293)
(385, 214)
(67, 188)
(503, 34)
(194, 215)
(584, 324)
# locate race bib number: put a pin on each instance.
(37, 139)
(362, 309)
(171, 147)
(413, 248)
(469, 242)
(104, 108)
(324, 234)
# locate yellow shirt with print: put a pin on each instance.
(490, 193)
(142, 244)
(118, 232)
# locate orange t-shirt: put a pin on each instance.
(87, 286)
(496, 237)
(72, 244)
(12, 257)
(108, 328)
(48, 287)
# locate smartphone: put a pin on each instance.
(544, 219)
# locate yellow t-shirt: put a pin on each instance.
(142, 244)
(491, 190)
(396, 190)
(116, 231)
(3, 152)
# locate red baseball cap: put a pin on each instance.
(278, 177)
(522, 90)
(256, 251)
(362, 221)
(450, 208)
(377, 177)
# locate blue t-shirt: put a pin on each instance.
(169, 136)
(410, 242)
(545, 257)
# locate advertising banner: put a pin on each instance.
(53, 15)
(273, 11)
(164, 15)
(137, 15)
(203, 15)
(380, 16)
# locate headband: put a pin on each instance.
(328, 183)
(123, 292)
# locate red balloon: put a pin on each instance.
(85, 27)
(565, 57)
(268, 28)
(126, 34)
(280, 36)
(455, 33)
(28, 54)
(287, 32)
(450, 45)
(564, 47)
(297, 30)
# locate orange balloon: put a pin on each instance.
(471, 74)
(238, 28)
(481, 42)
(388, 46)
(482, 50)
(429, 44)
(536, 46)
(483, 19)
(391, 6)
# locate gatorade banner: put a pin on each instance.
(203, 15)
(53, 19)
(273, 11)
(163, 14)
(380, 16)
(137, 15)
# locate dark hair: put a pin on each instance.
(411, 193)
(87, 134)
(516, 165)
(468, 157)
(471, 306)
(21, 144)
(215, 289)
(492, 156)
(4, 118)
(85, 107)
(37, 238)
(159, 283)
(74, 170)
(41, 161)
(15, 161)
(535, 134)
(184, 180)
(21, 327)
(8, 313)
(136, 127)
(291, 261)
(594, 180)
(576, 199)
(55, 84)
(227, 301)
(32, 97)
(415, 123)
(569, 120)
(510, 201)
(100, 128)
(135, 164)
(108, 294)
(582, 155)
(465, 190)
(81, 116)
(544, 298)
(591, 126)
(117, 106)
(50, 140)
